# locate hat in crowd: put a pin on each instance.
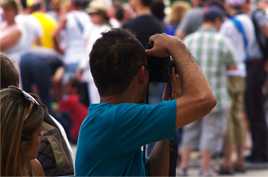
(212, 13)
(235, 2)
(96, 7)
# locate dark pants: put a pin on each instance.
(254, 104)
(35, 71)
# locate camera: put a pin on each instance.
(159, 68)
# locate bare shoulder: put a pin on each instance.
(37, 168)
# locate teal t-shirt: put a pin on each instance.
(111, 137)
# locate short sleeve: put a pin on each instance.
(36, 27)
(227, 29)
(138, 125)
(228, 53)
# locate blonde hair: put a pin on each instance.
(177, 11)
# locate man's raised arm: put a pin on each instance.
(197, 99)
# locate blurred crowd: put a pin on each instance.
(49, 41)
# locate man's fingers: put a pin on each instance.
(152, 38)
(149, 51)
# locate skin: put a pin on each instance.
(33, 151)
(10, 33)
(36, 140)
(9, 16)
(37, 168)
(139, 8)
(96, 19)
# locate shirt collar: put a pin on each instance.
(211, 29)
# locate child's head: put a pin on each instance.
(72, 86)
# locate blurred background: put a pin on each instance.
(49, 42)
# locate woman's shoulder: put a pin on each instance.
(37, 169)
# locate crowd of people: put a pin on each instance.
(75, 56)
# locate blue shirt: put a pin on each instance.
(111, 137)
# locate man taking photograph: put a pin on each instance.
(111, 136)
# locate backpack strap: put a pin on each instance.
(79, 24)
(239, 26)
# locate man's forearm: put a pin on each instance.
(196, 99)
(194, 83)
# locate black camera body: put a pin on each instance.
(159, 69)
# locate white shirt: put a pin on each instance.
(95, 33)
(75, 37)
(30, 30)
(229, 30)
(33, 27)
(1, 15)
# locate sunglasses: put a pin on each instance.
(28, 98)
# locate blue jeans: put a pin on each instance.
(36, 71)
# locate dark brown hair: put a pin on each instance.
(20, 119)
(8, 73)
(114, 61)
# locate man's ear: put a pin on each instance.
(142, 75)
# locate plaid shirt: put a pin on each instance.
(213, 54)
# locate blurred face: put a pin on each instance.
(196, 2)
(111, 11)
(56, 4)
(247, 7)
(36, 140)
(96, 19)
(218, 23)
(134, 4)
(9, 14)
(263, 4)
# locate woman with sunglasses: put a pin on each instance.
(21, 119)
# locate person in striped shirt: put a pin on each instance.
(214, 55)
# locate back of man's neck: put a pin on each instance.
(208, 25)
(126, 97)
(143, 11)
(116, 100)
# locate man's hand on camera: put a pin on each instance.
(163, 45)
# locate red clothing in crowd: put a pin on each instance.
(77, 111)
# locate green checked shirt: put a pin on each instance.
(213, 54)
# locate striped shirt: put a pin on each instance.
(213, 54)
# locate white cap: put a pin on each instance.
(235, 2)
